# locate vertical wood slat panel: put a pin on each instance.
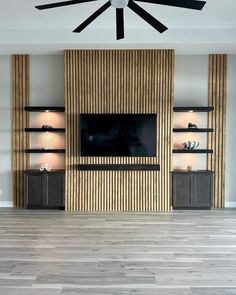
(20, 99)
(217, 121)
(118, 81)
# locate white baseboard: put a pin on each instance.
(4, 204)
(230, 204)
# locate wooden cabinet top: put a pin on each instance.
(35, 171)
(193, 171)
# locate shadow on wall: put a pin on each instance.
(55, 161)
(5, 158)
(6, 186)
(5, 115)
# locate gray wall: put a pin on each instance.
(5, 132)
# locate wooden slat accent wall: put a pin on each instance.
(217, 120)
(118, 81)
(20, 93)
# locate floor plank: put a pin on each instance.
(54, 252)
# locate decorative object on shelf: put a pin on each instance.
(45, 167)
(191, 145)
(191, 125)
(47, 127)
(46, 141)
(189, 168)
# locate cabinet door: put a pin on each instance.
(34, 190)
(201, 190)
(55, 190)
(181, 190)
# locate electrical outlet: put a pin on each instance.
(1, 192)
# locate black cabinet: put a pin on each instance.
(45, 189)
(192, 190)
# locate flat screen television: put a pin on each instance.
(118, 135)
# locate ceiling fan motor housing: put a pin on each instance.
(119, 3)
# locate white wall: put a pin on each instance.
(5, 132)
(47, 80)
(231, 134)
(191, 89)
(47, 89)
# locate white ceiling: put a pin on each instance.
(23, 29)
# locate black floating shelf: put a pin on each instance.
(118, 167)
(44, 151)
(45, 129)
(192, 171)
(193, 130)
(44, 172)
(197, 151)
(193, 109)
(45, 109)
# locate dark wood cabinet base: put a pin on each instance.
(192, 190)
(44, 190)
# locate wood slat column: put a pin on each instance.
(119, 82)
(20, 94)
(165, 81)
(217, 120)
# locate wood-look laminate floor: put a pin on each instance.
(179, 253)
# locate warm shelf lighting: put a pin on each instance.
(46, 141)
(191, 111)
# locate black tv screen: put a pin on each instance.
(118, 135)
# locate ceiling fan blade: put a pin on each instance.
(92, 17)
(119, 23)
(60, 4)
(191, 4)
(147, 17)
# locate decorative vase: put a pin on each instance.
(45, 167)
(191, 145)
(189, 168)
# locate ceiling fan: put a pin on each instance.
(119, 5)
